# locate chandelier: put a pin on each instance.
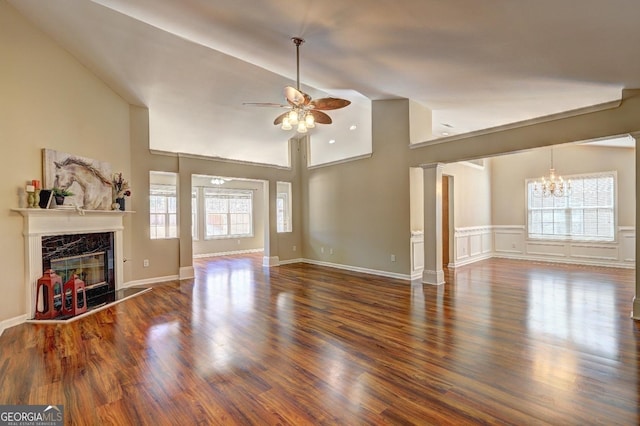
(553, 185)
(218, 181)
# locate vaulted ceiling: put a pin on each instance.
(475, 63)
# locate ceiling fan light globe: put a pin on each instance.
(310, 121)
(286, 125)
(302, 128)
(293, 117)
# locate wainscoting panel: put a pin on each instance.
(472, 244)
(511, 242)
(589, 251)
(417, 253)
(508, 239)
(536, 248)
(627, 240)
(482, 242)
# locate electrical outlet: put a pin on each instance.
(330, 251)
(321, 249)
(393, 257)
(145, 263)
(294, 248)
(238, 242)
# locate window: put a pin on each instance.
(587, 214)
(163, 202)
(283, 207)
(228, 213)
(194, 214)
(163, 211)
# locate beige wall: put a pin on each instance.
(416, 199)
(360, 209)
(51, 101)
(163, 255)
(472, 193)
(511, 171)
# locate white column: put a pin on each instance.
(33, 269)
(270, 257)
(118, 256)
(433, 273)
(635, 312)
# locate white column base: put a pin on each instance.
(270, 261)
(433, 277)
(186, 272)
(635, 313)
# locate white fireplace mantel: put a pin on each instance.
(45, 222)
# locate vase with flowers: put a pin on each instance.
(120, 190)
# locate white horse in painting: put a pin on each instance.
(95, 186)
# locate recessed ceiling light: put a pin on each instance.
(353, 127)
(332, 141)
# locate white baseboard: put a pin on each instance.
(148, 281)
(227, 253)
(290, 261)
(270, 261)
(635, 313)
(433, 277)
(11, 322)
(566, 261)
(405, 277)
(186, 272)
(469, 260)
(416, 275)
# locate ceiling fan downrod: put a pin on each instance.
(297, 41)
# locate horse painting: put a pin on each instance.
(96, 188)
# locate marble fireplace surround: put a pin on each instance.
(46, 222)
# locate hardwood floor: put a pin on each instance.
(503, 342)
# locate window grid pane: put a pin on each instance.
(163, 218)
(194, 215)
(229, 213)
(283, 207)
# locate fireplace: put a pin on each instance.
(72, 229)
(89, 256)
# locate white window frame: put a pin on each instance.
(570, 207)
(228, 194)
(283, 208)
(195, 214)
(168, 192)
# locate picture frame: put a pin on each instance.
(47, 200)
(88, 179)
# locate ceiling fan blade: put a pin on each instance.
(320, 117)
(294, 96)
(329, 103)
(279, 118)
(265, 104)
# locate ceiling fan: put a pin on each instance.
(304, 112)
